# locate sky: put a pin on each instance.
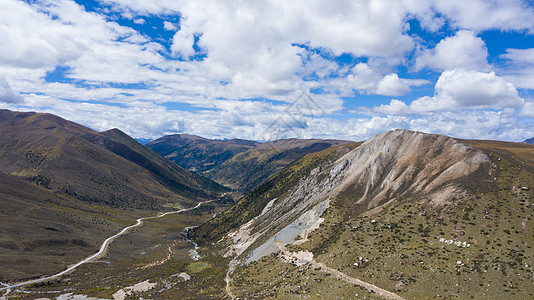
(264, 70)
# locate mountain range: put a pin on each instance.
(238, 164)
(403, 215)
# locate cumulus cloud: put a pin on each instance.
(266, 50)
(7, 95)
(486, 14)
(169, 26)
(182, 43)
(463, 50)
(457, 90)
(339, 25)
(63, 33)
(366, 80)
(395, 107)
(461, 89)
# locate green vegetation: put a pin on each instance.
(72, 187)
(156, 252)
(174, 206)
(238, 164)
(479, 247)
(64, 188)
(198, 266)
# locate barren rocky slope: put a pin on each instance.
(391, 166)
(415, 214)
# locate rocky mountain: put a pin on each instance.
(403, 215)
(101, 167)
(237, 164)
(529, 141)
(398, 164)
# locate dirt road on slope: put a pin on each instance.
(338, 274)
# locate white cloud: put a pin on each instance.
(338, 25)
(395, 107)
(520, 55)
(169, 26)
(183, 42)
(366, 80)
(477, 15)
(267, 49)
(461, 89)
(139, 21)
(520, 71)
(480, 15)
(528, 110)
(473, 125)
(252, 120)
(392, 85)
(463, 50)
(46, 34)
(7, 95)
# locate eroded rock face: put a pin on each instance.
(396, 164)
(403, 163)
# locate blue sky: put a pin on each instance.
(239, 69)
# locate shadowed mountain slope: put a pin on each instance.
(105, 167)
(65, 187)
(238, 164)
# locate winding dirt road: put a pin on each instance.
(102, 250)
(228, 279)
(370, 287)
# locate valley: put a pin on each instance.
(101, 252)
(264, 150)
(403, 215)
(238, 164)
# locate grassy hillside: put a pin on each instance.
(196, 153)
(477, 244)
(480, 247)
(109, 167)
(64, 188)
(41, 232)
